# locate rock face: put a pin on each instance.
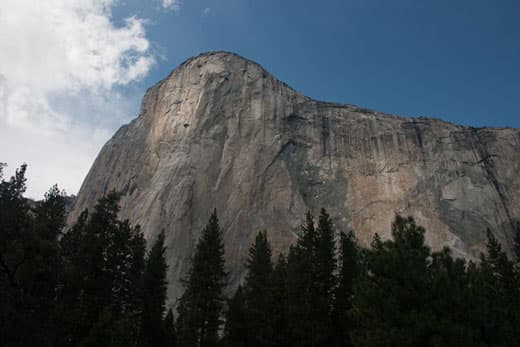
(221, 132)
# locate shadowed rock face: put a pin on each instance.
(220, 132)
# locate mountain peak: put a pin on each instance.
(218, 54)
(227, 60)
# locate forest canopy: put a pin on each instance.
(95, 283)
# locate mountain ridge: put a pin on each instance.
(359, 108)
(220, 131)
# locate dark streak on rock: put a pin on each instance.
(489, 169)
(294, 118)
(282, 150)
(325, 134)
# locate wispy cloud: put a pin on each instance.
(61, 65)
(174, 5)
(206, 11)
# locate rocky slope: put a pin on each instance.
(222, 132)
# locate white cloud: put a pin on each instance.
(206, 11)
(174, 5)
(61, 65)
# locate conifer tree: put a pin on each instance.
(125, 266)
(170, 338)
(258, 292)
(279, 315)
(15, 225)
(311, 267)
(300, 276)
(325, 280)
(104, 261)
(50, 214)
(72, 251)
(185, 325)
(93, 286)
(92, 260)
(348, 271)
(389, 301)
(501, 293)
(200, 307)
(236, 331)
(49, 220)
(29, 262)
(154, 295)
(451, 300)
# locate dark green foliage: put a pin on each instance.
(257, 315)
(280, 315)
(500, 296)
(325, 281)
(325, 259)
(170, 338)
(50, 214)
(300, 273)
(93, 286)
(79, 288)
(154, 295)
(408, 296)
(258, 293)
(348, 271)
(201, 305)
(15, 234)
(29, 263)
(390, 298)
(311, 283)
(105, 260)
(236, 331)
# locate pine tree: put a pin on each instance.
(50, 214)
(104, 263)
(389, 305)
(258, 292)
(236, 331)
(451, 300)
(348, 272)
(311, 266)
(125, 266)
(300, 278)
(497, 264)
(501, 294)
(29, 262)
(200, 306)
(15, 225)
(170, 338)
(279, 315)
(187, 332)
(154, 295)
(94, 260)
(68, 305)
(92, 286)
(49, 220)
(325, 280)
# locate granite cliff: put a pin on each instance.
(222, 132)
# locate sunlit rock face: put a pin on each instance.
(221, 132)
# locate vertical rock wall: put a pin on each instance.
(220, 132)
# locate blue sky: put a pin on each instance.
(454, 60)
(73, 71)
